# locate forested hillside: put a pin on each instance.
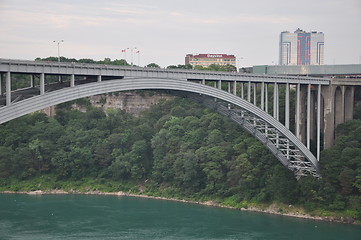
(176, 149)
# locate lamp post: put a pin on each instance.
(131, 50)
(58, 41)
(138, 52)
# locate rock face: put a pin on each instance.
(131, 102)
(50, 111)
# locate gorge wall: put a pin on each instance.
(133, 102)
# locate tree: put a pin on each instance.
(121, 166)
(140, 160)
(62, 164)
(180, 66)
(81, 159)
(217, 67)
(187, 171)
(282, 186)
(347, 178)
(6, 154)
(153, 65)
(102, 155)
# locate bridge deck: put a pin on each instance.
(80, 69)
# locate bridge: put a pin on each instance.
(241, 97)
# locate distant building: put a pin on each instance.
(344, 70)
(301, 48)
(205, 60)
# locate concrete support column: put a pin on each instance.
(266, 103)
(42, 84)
(318, 121)
(255, 94)
(313, 117)
(303, 113)
(262, 96)
(32, 81)
(349, 102)
(275, 105)
(287, 115)
(275, 101)
(328, 93)
(8, 89)
(235, 88)
(72, 80)
(266, 99)
(249, 92)
(219, 84)
(242, 90)
(1, 82)
(308, 135)
(287, 106)
(298, 111)
(229, 87)
(339, 106)
(100, 79)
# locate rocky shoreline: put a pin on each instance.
(272, 209)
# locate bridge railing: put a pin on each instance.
(47, 67)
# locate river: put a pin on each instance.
(112, 217)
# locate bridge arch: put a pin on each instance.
(277, 138)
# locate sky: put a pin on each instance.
(164, 31)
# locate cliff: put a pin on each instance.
(131, 102)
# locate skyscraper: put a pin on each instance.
(301, 48)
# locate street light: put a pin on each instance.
(58, 41)
(132, 54)
(138, 57)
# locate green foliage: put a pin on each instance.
(175, 149)
(216, 67)
(180, 66)
(91, 61)
(6, 155)
(153, 65)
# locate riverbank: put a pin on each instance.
(276, 209)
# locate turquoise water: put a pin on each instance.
(112, 217)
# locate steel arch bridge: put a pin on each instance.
(289, 150)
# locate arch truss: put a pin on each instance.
(285, 150)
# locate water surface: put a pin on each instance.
(112, 217)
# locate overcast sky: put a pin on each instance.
(164, 31)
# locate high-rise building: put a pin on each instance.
(301, 48)
(205, 60)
